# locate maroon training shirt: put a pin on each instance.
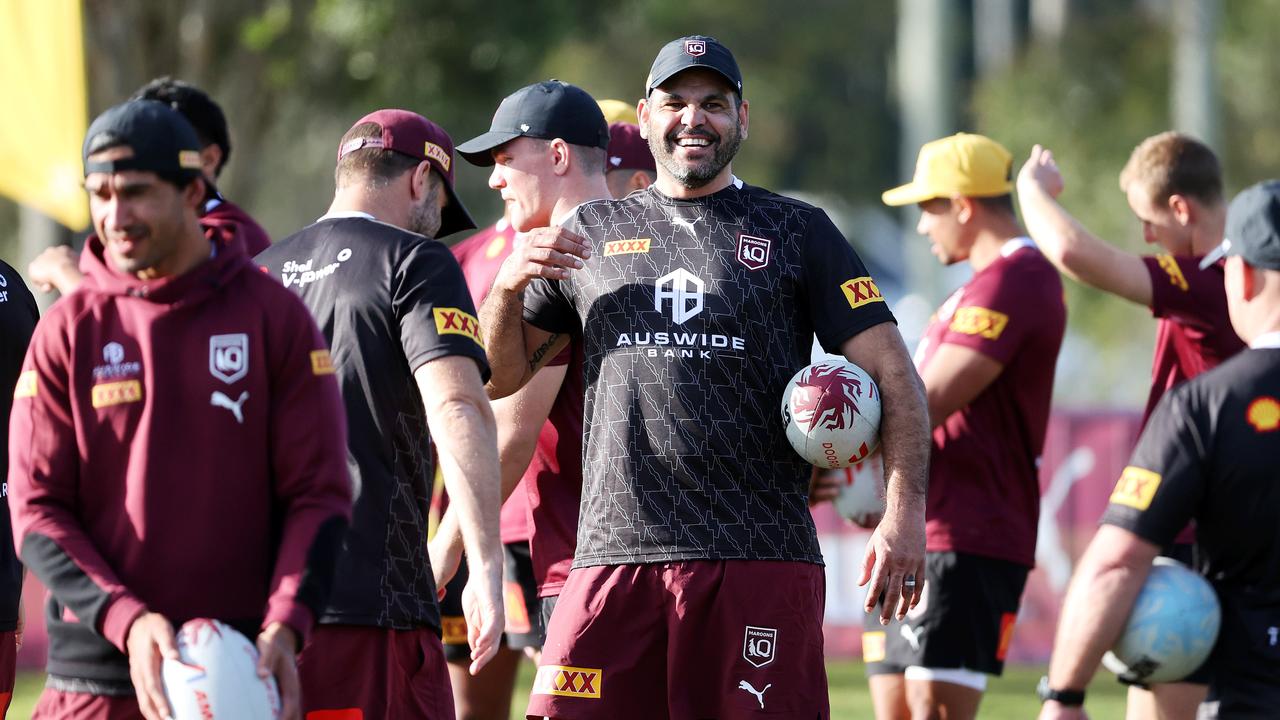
(551, 488)
(1193, 330)
(481, 256)
(178, 447)
(984, 490)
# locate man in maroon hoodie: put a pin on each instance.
(176, 439)
(58, 266)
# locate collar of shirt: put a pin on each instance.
(213, 203)
(340, 214)
(1268, 341)
(1014, 245)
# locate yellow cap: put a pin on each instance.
(619, 111)
(962, 165)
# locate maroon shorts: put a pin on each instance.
(351, 672)
(58, 705)
(686, 640)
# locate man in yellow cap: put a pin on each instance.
(987, 360)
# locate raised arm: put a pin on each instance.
(896, 548)
(1075, 251)
(462, 427)
(516, 349)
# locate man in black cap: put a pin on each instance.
(177, 438)
(695, 301)
(1208, 453)
(406, 347)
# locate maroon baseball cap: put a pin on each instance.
(627, 150)
(411, 134)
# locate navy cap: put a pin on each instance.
(162, 140)
(1253, 227)
(548, 110)
(693, 51)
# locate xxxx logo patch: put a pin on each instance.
(1170, 267)
(116, 393)
(568, 681)
(861, 291)
(979, 321)
(873, 646)
(452, 321)
(321, 363)
(634, 246)
(1135, 488)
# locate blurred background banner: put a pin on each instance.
(44, 114)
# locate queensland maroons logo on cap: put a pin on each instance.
(695, 48)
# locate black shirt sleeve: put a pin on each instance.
(431, 303)
(1158, 493)
(547, 303)
(843, 299)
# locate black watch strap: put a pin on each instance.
(1069, 698)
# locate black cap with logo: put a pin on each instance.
(549, 109)
(693, 51)
(162, 141)
(1253, 227)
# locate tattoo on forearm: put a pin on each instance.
(542, 350)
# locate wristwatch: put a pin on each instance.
(1067, 698)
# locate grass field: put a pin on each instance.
(1012, 696)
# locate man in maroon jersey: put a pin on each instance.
(987, 359)
(57, 267)
(127, 500)
(1173, 184)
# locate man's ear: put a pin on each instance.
(965, 208)
(639, 180)
(560, 155)
(1251, 280)
(420, 181)
(194, 194)
(743, 117)
(642, 114)
(1183, 210)
(211, 160)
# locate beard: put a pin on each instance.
(696, 174)
(424, 218)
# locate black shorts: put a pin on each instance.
(1244, 669)
(520, 596)
(546, 606)
(964, 621)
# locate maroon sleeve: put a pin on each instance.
(309, 466)
(996, 313)
(44, 470)
(1181, 291)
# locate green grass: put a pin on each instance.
(1012, 696)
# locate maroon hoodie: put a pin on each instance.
(177, 446)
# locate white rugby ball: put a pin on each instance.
(217, 676)
(831, 411)
(861, 495)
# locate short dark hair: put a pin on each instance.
(375, 167)
(197, 107)
(997, 204)
(1174, 163)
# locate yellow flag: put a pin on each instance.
(42, 126)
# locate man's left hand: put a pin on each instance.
(278, 649)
